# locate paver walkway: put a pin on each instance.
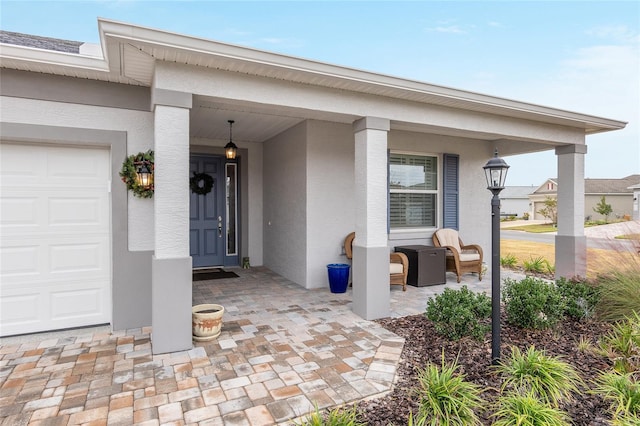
(282, 350)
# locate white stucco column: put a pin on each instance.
(571, 243)
(371, 290)
(171, 266)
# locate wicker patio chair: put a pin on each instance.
(461, 258)
(398, 263)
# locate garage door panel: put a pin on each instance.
(20, 311)
(21, 164)
(82, 165)
(75, 211)
(77, 303)
(20, 260)
(69, 305)
(55, 256)
(57, 211)
(76, 257)
(55, 243)
(18, 211)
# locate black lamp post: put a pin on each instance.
(496, 173)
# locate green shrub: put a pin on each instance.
(458, 313)
(622, 344)
(580, 298)
(532, 303)
(508, 261)
(336, 417)
(622, 391)
(445, 398)
(537, 266)
(515, 409)
(620, 293)
(549, 379)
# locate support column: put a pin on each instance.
(571, 243)
(371, 290)
(171, 298)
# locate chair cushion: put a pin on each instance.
(448, 237)
(466, 257)
(395, 268)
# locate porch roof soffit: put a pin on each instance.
(130, 51)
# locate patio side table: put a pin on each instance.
(427, 265)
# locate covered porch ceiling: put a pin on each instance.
(255, 123)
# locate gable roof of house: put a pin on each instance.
(594, 186)
(610, 186)
(129, 53)
(542, 189)
(517, 192)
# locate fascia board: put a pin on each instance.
(52, 58)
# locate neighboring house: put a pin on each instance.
(636, 197)
(315, 141)
(619, 193)
(514, 201)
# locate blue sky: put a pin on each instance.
(582, 56)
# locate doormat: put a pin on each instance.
(212, 274)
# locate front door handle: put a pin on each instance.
(219, 226)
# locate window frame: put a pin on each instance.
(438, 193)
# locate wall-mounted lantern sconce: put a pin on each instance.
(230, 149)
(144, 175)
(137, 174)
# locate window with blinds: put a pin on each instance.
(413, 191)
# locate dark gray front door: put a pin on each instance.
(206, 233)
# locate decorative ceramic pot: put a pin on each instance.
(206, 321)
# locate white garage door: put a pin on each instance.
(54, 238)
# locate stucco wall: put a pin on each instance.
(331, 204)
(252, 205)
(622, 204)
(285, 203)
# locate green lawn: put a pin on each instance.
(536, 229)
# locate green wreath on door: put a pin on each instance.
(201, 183)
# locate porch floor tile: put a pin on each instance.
(282, 351)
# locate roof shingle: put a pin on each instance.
(38, 42)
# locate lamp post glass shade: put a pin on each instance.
(230, 149)
(144, 176)
(496, 172)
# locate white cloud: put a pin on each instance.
(619, 33)
(451, 29)
(602, 80)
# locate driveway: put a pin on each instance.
(600, 237)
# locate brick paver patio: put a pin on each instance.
(282, 351)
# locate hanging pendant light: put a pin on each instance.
(230, 149)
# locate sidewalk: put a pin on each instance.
(610, 230)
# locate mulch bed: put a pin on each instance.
(424, 344)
